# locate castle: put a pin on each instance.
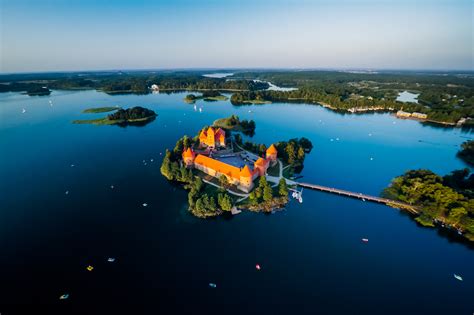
(241, 177)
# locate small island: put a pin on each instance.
(208, 96)
(137, 116)
(467, 152)
(446, 201)
(222, 176)
(247, 127)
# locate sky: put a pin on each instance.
(77, 35)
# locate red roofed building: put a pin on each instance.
(271, 153)
(212, 138)
(188, 157)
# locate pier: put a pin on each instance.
(389, 202)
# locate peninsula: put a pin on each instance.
(223, 176)
(446, 202)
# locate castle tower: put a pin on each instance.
(271, 153)
(211, 138)
(261, 166)
(188, 157)
(246, 178)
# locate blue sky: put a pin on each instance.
(50, 35)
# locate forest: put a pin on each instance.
(444, 97)
(447, 200)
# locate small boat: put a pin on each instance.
(200, 109)
(67, 192)
(212, 285)
(111, 259)
(72, 165)
(459, 232)
(145, 204)
(257, 266)
(111, 186)
(195, 108)
(458, 277)
(23, 111)
(64, 297)
(365, 240)
(151, 160)
(363, 199)
(300, 199)
(371, 158)
(90, 268)
(337, 139)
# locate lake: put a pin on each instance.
(311, 255)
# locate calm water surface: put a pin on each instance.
(312, 257)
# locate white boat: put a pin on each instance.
(200, 109)
(195, 108)
(458, 277)
(300, 199)
(365, 240)
(23, 111)
(145, 204)
(111, 259)
(64, 297)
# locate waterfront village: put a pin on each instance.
(223, 174)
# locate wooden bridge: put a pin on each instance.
(389, 202)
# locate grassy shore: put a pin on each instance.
(99, 110)
(106, 121)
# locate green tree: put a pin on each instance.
(223, 182)
(267, 193)
(283, 188)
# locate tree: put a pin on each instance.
(253, 198)
(165, 168)
(282, 188)
(267, 193)
(301, 154)
(225, 202)
(223, 182)
(198, 184)
(290, 151)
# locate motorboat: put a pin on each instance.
(458, 277)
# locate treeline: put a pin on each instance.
(445, 113)
(443, 96)
(132, 114)
(447, 200)
(125, 82)
(264, 198)
(467, 152)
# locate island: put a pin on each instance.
(38, 91)
(209, 96)
(446, 202)
(247, 127)
(222, 176)
(467, 152)
(137, 116)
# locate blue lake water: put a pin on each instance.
(311, 254)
